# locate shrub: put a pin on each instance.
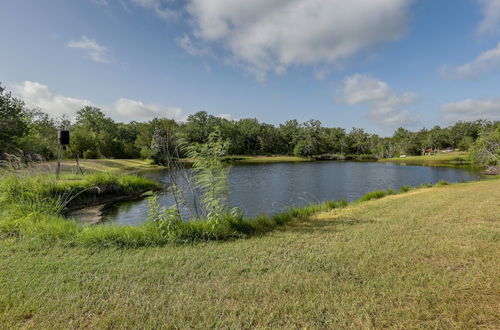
(404, 189)
(442, 183)
(91, 154)
(372, 195)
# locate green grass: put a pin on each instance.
(97, 166)
(32, 205)
(443, 158)
(425, 259)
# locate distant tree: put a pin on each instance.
(437, 138)
(198, 127)
(94, 131)
(357, 141)
(41, 137)
(14, 121)
(291, 132)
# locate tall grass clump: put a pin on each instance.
(376, 194)
(32, 204)
(404, 189)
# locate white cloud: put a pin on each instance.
(160, 7)
(385, 104)
(488, 61)
(39, 96)
(225, 116)
(187, 44)
(267, 36)
(95, 52)
(127, 110)
(491, 20)
(469, 110)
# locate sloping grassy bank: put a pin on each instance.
(34, 206)
(425, 259)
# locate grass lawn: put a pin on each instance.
(134, 165)
(456, 157)
(428, 258)
(97, 166)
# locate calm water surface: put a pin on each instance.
(271, 188)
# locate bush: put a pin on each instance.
(91, 154)
(404, 189)
(442, 183)
(377, 194)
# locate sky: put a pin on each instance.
(375, 64)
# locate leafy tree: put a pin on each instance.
(290, 132)
(486, 150)
(14, 121)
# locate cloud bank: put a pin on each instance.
(386, 106)
(487, 62)
(491, 21)
(469, 110)
(270, 36)
(39, 95)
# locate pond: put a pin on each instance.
(271, 188)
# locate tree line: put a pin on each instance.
(32, 133)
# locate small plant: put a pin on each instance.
(426, 185)
(404, 189)
(377, 194)
(166, 219)
(442, 183)
(210, 175)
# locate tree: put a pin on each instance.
(95, 132)
(198, 127)
(14, 121)
(357, 140)
(290, 132)
(486, 150)
(42, 135)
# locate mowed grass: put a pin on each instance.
(428, 258)
(97, 166)
(456, 157)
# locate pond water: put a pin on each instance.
(271, 188)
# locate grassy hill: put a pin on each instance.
(428, 258)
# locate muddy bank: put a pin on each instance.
(89, 211)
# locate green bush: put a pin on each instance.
(91, 154)
(442, 183)
(404, 189)
(372, 195)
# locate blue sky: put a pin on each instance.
(376, 64)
